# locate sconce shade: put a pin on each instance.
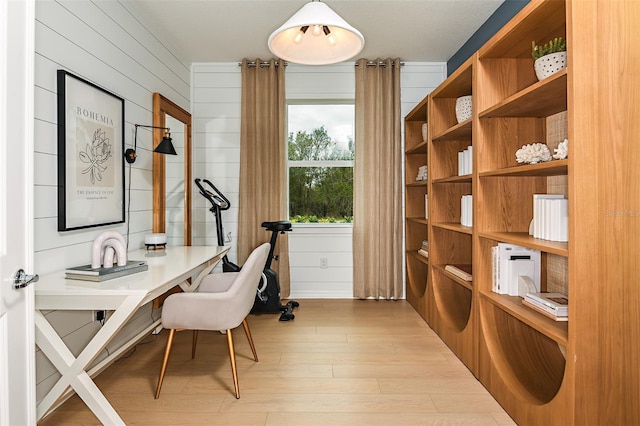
(316, 35)
(165, 146)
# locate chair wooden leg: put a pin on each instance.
(194, 343)
(232, 357)
(245, 324)
(163, 369)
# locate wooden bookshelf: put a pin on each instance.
(584, 370)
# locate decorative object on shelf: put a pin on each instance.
(465, 161)
(316, 35)
(549, 58)
(463, 108)
(422, 174)
(533, 153)
(90, 140)
(562, 151)
(424, 132)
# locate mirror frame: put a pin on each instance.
(161, 108)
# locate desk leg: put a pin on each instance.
(73, 370)
(188, 288)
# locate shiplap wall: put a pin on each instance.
(105, 43)
(216, 95)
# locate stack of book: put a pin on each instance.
(87, 273)
(424, 250)
(465, 161)
(511, 261)
(466, 210)
(462, 271)
(552, 305)
(550, 217)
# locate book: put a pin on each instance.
(552, 302)
(544, 312)
(506, 253)
(87, 273)
(423, 252)
(461, 271)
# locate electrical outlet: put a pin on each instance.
(99, 315)
(324, 263)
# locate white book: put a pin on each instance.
(460, 163)
(508, 251)
(426, 206)
(469, 168)
(538, 212)
(495, 261)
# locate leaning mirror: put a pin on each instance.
(172, 173)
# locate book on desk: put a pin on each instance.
(87, 273)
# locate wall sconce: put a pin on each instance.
(164, 147)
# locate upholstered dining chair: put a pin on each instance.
(221, 303)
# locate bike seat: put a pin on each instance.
(280, 226)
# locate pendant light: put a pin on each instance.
(316, 35)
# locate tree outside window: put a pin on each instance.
(320, 162)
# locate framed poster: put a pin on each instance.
(90, 159)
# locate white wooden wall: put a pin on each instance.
(216, 95)
(105, 43)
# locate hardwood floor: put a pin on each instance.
(340, 362)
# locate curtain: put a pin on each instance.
(377, 204)
(262, 162)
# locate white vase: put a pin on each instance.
(463, 108)
(550, 64)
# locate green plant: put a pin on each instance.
(553, 46)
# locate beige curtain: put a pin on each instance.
(262, 162)
(377, 206)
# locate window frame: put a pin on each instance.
(315, 163)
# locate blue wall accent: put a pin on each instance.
(500, 17)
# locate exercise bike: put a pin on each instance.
(267, 298)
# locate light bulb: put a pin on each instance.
(317, 30)
(331, 39)
(302, 32)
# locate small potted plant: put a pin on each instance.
(549, 58)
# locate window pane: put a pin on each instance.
(321, 194)
(320, 152)
(320, 132)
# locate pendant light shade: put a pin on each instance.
(166, 146)
(316, 35)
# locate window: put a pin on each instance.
(320, 161)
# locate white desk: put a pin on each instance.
(123, 296)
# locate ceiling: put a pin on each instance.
(229, 30)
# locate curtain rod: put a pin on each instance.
(379, 63)
(262, 64)
(369, 63)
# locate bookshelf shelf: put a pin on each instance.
(417, 256)
(467, 284)
(458, 132)
(550, 168)
(525, 240)
(420, 220)
(538, 100)
(453, 226)
(555, 330)
(454, 179)
(420, 148)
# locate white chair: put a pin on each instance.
(222, 302)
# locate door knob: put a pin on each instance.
(21, 279)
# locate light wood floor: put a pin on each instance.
(342, 362)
